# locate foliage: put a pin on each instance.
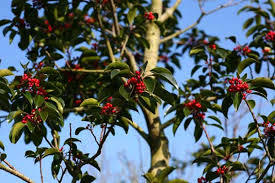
(100, 82)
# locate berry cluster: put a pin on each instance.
(38, 66)
(32, 85)
(33, 117)
(237, 85)
(163, 58)
(136, 83)
(77, 102)
(89, 20)
(242, 50)
(196, 109)
(240, 148)
(269, 129)
(266, 50)
(270, 36)
(149, 16)
(221, 171)
(213, 46)
(109, 109)
(21, 23)
(49, 27)
(103, 1)
(202, 180)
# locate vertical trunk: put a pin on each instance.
(158, 142)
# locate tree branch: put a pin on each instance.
(259, 132)
(108, 44)
(137, 128)
(132, 60)
(83, 70)
(16, 173)
(169, 12)
(168, 123)
(182, 31)
(264, 173)
(203, 13)
(115, 17)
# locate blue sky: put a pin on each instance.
(223, 23)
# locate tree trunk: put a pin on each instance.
(158, 142)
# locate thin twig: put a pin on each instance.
(115, 17)
(40, 167)
(83, 70)
(212, 148)
(92, 132)
(132, 60)
(199, 19)
(108, 44)
(47, 140)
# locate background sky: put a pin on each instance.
(118, 148)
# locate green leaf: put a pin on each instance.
(50, 151)
(59, 102)
(16, 132)
(177, 181)
(237, 99)
(187, 122)
(211, 176)
(2, 146)
(149, 103)
(271, 116)
(38, 100)
(125, 121)
(248, 22)
(87, 178)
(5, 72)
(166, 96)
(166, 75)
(79, 129)
(124, 93)
(237, 166)
(251, 103)
(48, 70)
(89, 101)
(4, 21)
(197, 132)
(272, 101)
(3, 156)
(245, 63)
(262, 82)
(215, 118)
(186, 111)
(150, 84)
(194, 51)
(131, 15)
(232, 38)
(117, 65)
(28, 97)
(271, 146)
(177, 123)
(43, 114)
